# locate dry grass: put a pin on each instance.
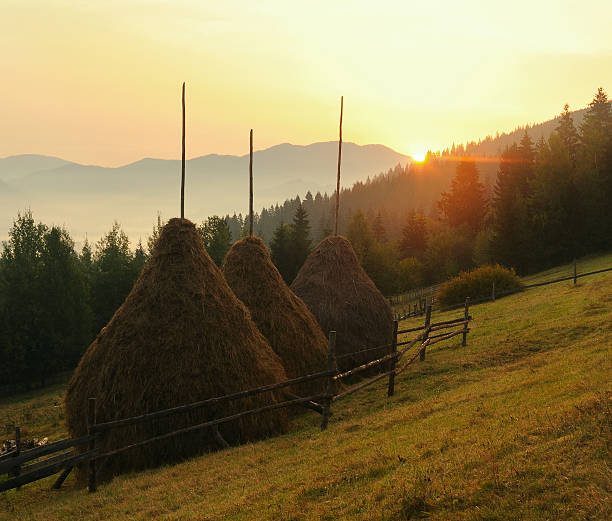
(280, 315)
(181, 336)
(344, 299)
(517, 425)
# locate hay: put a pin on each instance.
(343, 298)
(279, 314)
(180, 336)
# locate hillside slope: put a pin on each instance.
(494, 146)
(517, 425)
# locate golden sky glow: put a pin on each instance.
(99, 81)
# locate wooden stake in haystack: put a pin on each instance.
(339, 161)
(183, 161)
(251, 184)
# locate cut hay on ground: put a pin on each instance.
(280, 315)
(180, 336)
(343, 298)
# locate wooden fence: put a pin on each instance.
(15, 463)
(431, 300)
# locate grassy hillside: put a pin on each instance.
(517, 425)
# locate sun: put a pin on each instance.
(419, 157)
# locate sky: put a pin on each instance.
(98, 82)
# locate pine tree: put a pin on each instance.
(596, 171)
(113, 275)
(596, 128)
(465, 204)
(140, 258)
(65, 321)
(152, 239)
(568, 133)
(22, 301)
(414, 236)
(553, 206)
(360, 236)
(511, 241)
(300, 238)
(282, 253)
(378, 228)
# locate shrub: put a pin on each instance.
(477, 284)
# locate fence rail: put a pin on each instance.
(494, 294)
(12, 464)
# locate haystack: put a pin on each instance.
(280, 315)
(343, 298)
(180, 336)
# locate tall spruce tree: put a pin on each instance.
(596, 129)
(465, 204)
(378, 228)
(555, 216)
(113, 275)
(414, 236)
(511, 237)
(596, 171)
(25, 355)
(568, 133)
(282, 253)
(300, 239)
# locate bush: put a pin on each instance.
(477, 284)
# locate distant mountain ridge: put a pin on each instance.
(87, 198)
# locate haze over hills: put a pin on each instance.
(88, 198)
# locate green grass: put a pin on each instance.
(38, 413)
(517, 425)
(583, 265)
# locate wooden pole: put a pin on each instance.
(331, 366)
(91, 421)
(466, 315)
(339, 161)
(251, 184)
(493, 292)
(391, 389)
(17, 470)
(183, 160)
(61, 478)
(426, 336)
(575, 272)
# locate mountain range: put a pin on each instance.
(86, 199)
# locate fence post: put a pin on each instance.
(575, 272)
(17, 470)
(91, 421)
(391, 388)
(493, 292)
(467, 317)
(331, 366)
(426, 335)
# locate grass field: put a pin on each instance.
(517, 425)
